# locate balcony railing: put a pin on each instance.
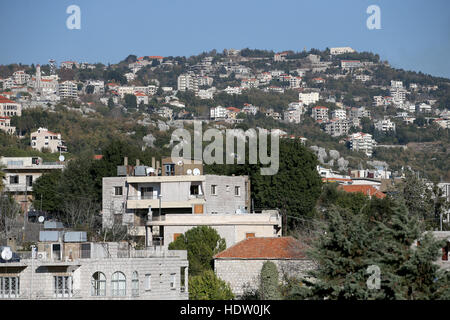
(150, 197)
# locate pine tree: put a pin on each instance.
(268, 286)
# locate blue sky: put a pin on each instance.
(414, 34)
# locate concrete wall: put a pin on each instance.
(244, 273)
(225, 201)
(110, 202)
(37, 277)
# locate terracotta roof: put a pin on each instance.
(98, 156)
(368, 190)
(5, 100)
(265, 248)
(233, 109)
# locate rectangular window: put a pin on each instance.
(228, 188)
(147, 193)
(214, 190)
(237, 191)
(169, 169)
(9, 287)
(62, 286)
(445, 253)
(195, 190)
(29, 180)
(148, 282)
(182, 279)
(173, 278)
(13, 179)
(118, 191)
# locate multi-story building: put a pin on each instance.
(350, 64)
(219, 112)
(308, 98)
(337, 127)
(320, 113)
(68, 89)
(396, 84)
(188, 82)
(20, 174)
(293, 115)
(339, 114)
(398, 95)
(160, 203)
(5, 125)
(295, 82)
(250, 109)
(362, 142)
(233, 90)
(20, 77)
(359, 113)
(249, 83)
(68, 64)
(99, 86)
(385, 125)
(141, 98)
(165, 112)
(341, 50)
(65, 266)
(9, 108)
(42, 138)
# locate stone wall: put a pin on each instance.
(244, 273)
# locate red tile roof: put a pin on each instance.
(368, 190)
(233, 109)
(5, 100)
(265, 248)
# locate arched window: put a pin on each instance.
(118, 284)
(135, 284)
(98, 284)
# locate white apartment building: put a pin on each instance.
(363, 77)
(385, 125)
(9, 108)
(233, 90)
(424, 108)
(250, 109)
(359, 113)
(67, 89)
(99, 86)
(398, 95)
(339, 114)
(68, 64)
(292, 115)
(42, 138)
(206, 94)
(350, 64)
(20, 77)
(161, 203)
(396, 84)
(295, 82)
(124, 90)
(320, 113)
(141, 98)
(362, 142)
(218, 112)
(165, 112)
(205, 81)
(188, 82)
(5, 125)
(337, 127)
(308, 98)
(341, 50)
(249, 83)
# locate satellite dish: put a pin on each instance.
(6, 253)
(41, 219)
(189, 171)
(61, 158)
(196, 172)
(180, 163)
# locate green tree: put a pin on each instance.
(201, 243)
(268, 285)
(207, 286)
(130, 101)
(349, 243)
(46, 193)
